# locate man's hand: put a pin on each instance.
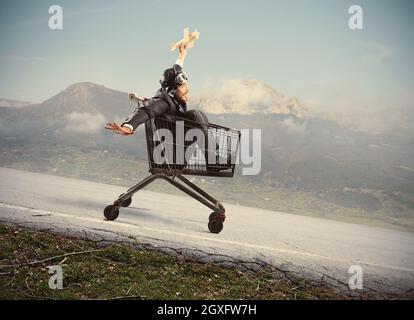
(118, 129)
(182, 51)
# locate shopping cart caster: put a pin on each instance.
(126, 202)
(215, 222)
(111, 212)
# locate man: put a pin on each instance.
(170, 101)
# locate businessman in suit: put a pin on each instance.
(170, 102)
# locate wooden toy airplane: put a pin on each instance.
(188, 39)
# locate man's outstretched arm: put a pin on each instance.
(138, 117)
(181, 55)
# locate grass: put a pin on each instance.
(118, 271)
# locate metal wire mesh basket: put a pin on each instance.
(181, 146)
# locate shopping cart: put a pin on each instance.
(176, 147)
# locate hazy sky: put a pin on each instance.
(302, 48)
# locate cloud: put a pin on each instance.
(84, 122)
(294, 127)
(360, 110)
(245, 97)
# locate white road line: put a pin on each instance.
(49, 213)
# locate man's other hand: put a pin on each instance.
(118, 129)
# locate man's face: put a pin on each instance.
(181, 94)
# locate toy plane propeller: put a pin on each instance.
(188, 39)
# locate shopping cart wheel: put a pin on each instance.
(215, 222)
(111, 212)
(126, 202)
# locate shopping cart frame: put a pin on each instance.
(174, 173)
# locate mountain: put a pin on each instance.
(247, 97)
(297, 151)
(75, 116)
(84, 97)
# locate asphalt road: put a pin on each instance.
(311, 247)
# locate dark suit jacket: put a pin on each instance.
(161, 104)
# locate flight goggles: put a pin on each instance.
(181, 78)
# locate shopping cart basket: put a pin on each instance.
(177, 147)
